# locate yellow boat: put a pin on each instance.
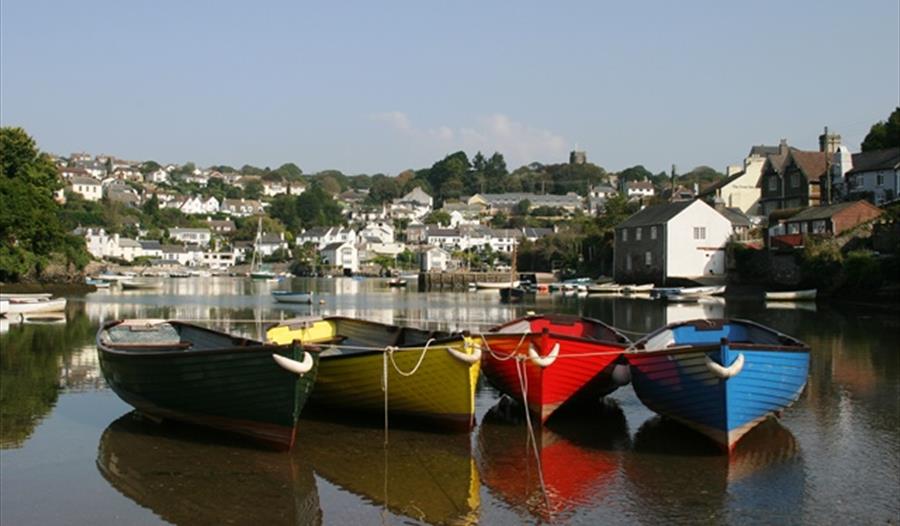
(431, 375)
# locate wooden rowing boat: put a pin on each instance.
(720, 377)
(181, 371)
(565, 358)
(31, 304)
(431, 375)
(497, 285)
(286, 296)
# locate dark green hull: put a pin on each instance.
(220, 381)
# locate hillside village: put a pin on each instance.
(663, 226)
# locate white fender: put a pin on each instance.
(466, 358)
(621, 374)
(293, 365)
(725, 372)
(543, 361)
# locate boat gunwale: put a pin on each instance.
(561, 319)
(174, 350)
(788, 342)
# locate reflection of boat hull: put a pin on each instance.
(431, 479)
(795, 295)
(292, 297)
(176, 473)
(399, 282)
(512, 294)
(583, 368)
(351, 370)
(263, 274)
(200, 376)
(578, 458)
(719, 377)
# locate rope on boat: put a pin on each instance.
(389, 350)
(523, 385)
(384, 387)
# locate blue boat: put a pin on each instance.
(719, 377)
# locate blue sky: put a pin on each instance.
(367, 87)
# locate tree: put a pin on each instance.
(31, 232)
(383, 189)
(438, 217)
(253, 190)
(149, 166)
(522, 207)
(289, 171)
(883, 134)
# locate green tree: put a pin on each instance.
(253, 190)
(883, 134)
(31, 230)
(438, 217)
(383, 189)
(522, 207)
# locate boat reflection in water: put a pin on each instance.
(424, 476)
(761, 481)
(190, 475)
(580, 455)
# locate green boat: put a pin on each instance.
(184, 372)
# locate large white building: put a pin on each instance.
(343, 257)
(685, 239)
(88, 187)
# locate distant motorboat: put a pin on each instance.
(793, 295)
(631, 289)
(113, 277)
(286, 296)
(99, 283)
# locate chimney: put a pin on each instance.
(782, 147)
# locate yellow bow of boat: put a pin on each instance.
(429, 375)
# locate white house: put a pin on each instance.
(504, 239)
(157, 176)
(876, 173)
(89, 188)
(273, 188)
(270, 243)
(342, 256)
(381, 230)
(198, 205)
(241, 207)
(323, 236)
(219, 260)
(415, 205)
(191, 236)
(434, 259)
(637, 189)
(740, 188)
(685, 239)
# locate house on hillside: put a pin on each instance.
(505, 202)
(191, 236)
(826, 221)
(88, 187)
(415, 205)
(70, 172)
(342, 256)
(685, 239)
(322, 236)
(740, 189)
(639, 189)
(241, 207)
(434, 259)
(876, 175)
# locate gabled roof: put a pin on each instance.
(334, 246)
(537, 232)
(655, 215)
(84, 180)
(826, 212)
(762, 150)
(317, 231)
(735, 216)
(888, 159)
(812, 164)
(150, 244)
(711, 189)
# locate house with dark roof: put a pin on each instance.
(875, 175)
(823, 221)
(685, 239)
(792, 181)
(740, 189)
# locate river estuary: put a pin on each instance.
(71, 452)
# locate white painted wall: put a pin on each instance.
(688, 257)
(743, 193)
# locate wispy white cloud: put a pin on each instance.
(519, 143)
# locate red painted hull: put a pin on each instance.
(582, 370)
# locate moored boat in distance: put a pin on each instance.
(193, 374)
(792, 295)
(396, 282)
(286, 296)
(564, 358)
(25, 304)
(720, 377)
(431, 376)
(512, 294)
(498, 285)
(141, 284)
(96, 282)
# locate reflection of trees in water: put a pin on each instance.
(31, 359)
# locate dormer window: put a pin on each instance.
(773, 183)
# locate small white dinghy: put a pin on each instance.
(286, 296)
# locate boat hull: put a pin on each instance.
(293, 297)
(238, 389)
(587, 354)
(33, 306)
(498, 285)
(796, 295)
(680, 383)
(440, 391)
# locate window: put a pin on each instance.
(637, 234)
(652, 232)
(699, 232)
(795, 181)
(628, 262)
(819, 226)
(773, 183)
(624, 234)
(879, 180)
(648, 258)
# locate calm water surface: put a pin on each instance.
(73, 453)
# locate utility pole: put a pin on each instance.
(672, 196)
(827, 147)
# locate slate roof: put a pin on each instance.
(720, 183)
(334, 246)
(151, 244)
(888, 159)
(825, 212)
(735, 216)
(537, 232)
(655, 215)
(812, 164)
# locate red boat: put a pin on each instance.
(564, 358)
